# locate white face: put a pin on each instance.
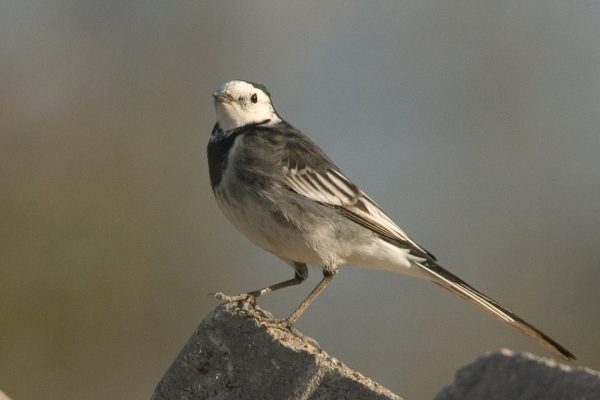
(240, 103)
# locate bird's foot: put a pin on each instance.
(246, 302)
(285, 324)
(242, 297)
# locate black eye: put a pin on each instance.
(254, 98)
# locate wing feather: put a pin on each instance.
(330, 187)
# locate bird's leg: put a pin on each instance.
(251, 296)
(289, 321)
(299, 277)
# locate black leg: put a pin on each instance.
(300, 276)
(327, 277)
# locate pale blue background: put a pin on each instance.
(476, 125)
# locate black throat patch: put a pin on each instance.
(218, 149)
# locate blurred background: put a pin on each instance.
(476, 125)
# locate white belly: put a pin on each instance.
(260, 226)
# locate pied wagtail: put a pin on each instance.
(286, 195)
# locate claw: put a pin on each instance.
(240, 297)
(281, 324)
(285, 324)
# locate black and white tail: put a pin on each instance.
(459, 287)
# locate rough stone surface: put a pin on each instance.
(507, 375)
(233, 354)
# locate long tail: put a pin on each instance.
(459, 287)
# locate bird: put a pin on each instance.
(287, 196)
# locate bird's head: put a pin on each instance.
(240, 103)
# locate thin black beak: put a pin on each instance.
(222, 97)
